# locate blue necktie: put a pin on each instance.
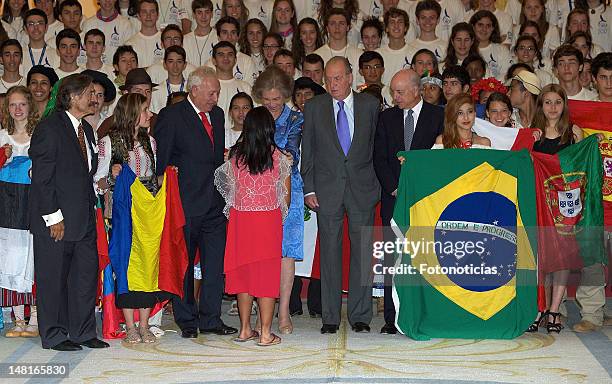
(342, 127)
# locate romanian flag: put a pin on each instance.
(147, 248)
(467, 267)
(16, 244)
(594, 117)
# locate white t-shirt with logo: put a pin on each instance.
(228, 89)
(601, 26)
(199, 48)
(351, 52)
(117, 32)
(243, 70)
(148, 48)
(307, 8)
(395, 60)
(61, 74)
(261, 9)
(437, 46)
(172, 12)
(498, 60)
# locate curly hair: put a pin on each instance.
(7, 121)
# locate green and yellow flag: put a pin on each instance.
(468, 267)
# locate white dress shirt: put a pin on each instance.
(57, 216)
(416, 112)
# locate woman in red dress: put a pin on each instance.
(255, 183)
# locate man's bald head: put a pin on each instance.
(405, 88)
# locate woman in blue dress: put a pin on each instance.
(273, 88)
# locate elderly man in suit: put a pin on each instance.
(190, 135)
(339, 179)
(62, 219)
(410, 124)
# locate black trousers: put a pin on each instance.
(66, 274)
(313, 296)
(209, 237)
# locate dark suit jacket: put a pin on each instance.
(106, 125)
(390, 140)
(324, 167)
(183, 142)
(60, 177)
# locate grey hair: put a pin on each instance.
(343, 60)
(273, 78)
(198, 75)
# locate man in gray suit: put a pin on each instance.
(339, 178)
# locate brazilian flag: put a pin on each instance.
(467, 267)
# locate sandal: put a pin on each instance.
(147, 336)
(538, 322)
(30, 331)
(254, 335)
(233, 311)
(286, 329)
(553, 326)
(17, 330)
(132, 336)
(275, 340)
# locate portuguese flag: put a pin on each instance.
(569, 204)
(474, 273)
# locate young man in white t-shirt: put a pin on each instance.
(171, 35)
(71, 15)
(54, 26)
(10, 58)
(567, 65)
(228, 29)
(397, 54)
(199, 43)
(68, 44)
(285, 61)
(147, 42)
(116, 28)
(428, 17)
(372, 68)
(337, 25)
(313, 68)
(36, 50)
(224, 59)
(174, 63)
(94, 44)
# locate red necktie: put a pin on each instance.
(208, 127)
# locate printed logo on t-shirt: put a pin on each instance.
(603, 26)
(262, 12)
(173, 14)
(446, 20)
(376, 10)
(238, 74)
(406, 63)
(158, 53)
(437, 54)
(315, 5)
(115, 37)
(493, 66)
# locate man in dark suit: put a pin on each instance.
(339, 178)
(190, 135)
(62, 219)
(410, 124)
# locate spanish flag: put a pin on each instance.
(594, 117)
(467, 267)
(147, 248)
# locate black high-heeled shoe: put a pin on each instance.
(553, 326)
(539, 321)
